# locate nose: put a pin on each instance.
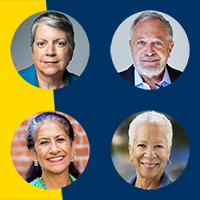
(54, 148)
(149, 49)
(50, 51)
(150, 153)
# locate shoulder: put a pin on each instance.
(132, 180)
(71, 77)
(173, 73)
(127, 71)
(165, 180)
(72, 178)
(29, 75)
(128, 74)
(24, 72)
(36, 182)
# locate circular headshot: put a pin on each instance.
(150, 50)
(50, 150)
(50, 50)
(150, 150)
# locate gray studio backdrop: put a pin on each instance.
(20, 48)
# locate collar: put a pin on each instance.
(39, 182)
(164, 180)
(140, 83)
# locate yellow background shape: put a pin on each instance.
(19, 100)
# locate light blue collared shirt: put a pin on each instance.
(139, 83)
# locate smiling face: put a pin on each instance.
(51, 51)
(150, 47)
(150, 150)
(53, 150)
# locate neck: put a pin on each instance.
(51, 82)
(152, 80)
(55, 181)
(148, 183)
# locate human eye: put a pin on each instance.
(159, 146)
(141, 42)
(43, 142)
(61, 139)
(60, 43)
(40, 44)
(157, 43)
(141, 145)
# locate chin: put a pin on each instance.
(149, 175)
(150, 71)
(51, 72)
(59, 170)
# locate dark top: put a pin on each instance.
(165, 180)
(128, 75)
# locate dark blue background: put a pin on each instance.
(100, 99)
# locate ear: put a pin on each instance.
(171, 45)
(72, 53)
(130, 45)
(33, 153)
(31, 48)
(169, 152)
(73, 146)
(130, 152)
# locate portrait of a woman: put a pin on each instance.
(150, 143)
(51, 141)
(52, 46)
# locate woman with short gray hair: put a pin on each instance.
(150, 142)
(52, 46)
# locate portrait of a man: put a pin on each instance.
(151, 44)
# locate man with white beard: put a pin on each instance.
(151, 44)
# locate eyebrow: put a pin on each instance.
(44, 38)
(60, 135)
(142, 141)
(140, 38)
(42, 138)
(46, 138)
(159, 38)
(53, 40)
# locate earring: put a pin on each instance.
(130, 162)
(35, 163)
(169, 163)
(72, 158)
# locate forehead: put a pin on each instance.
(150, 132)
(50, 129)
(47, 30)
(150, 28)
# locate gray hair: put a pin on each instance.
(47, 117)
(54, 19)
(151, 117)
(152, 15)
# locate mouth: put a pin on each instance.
(149, 61)
(149, 166)
(56, 159)
(50, 62)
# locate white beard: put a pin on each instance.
(151, 69)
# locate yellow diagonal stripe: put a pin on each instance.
(19, 100)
